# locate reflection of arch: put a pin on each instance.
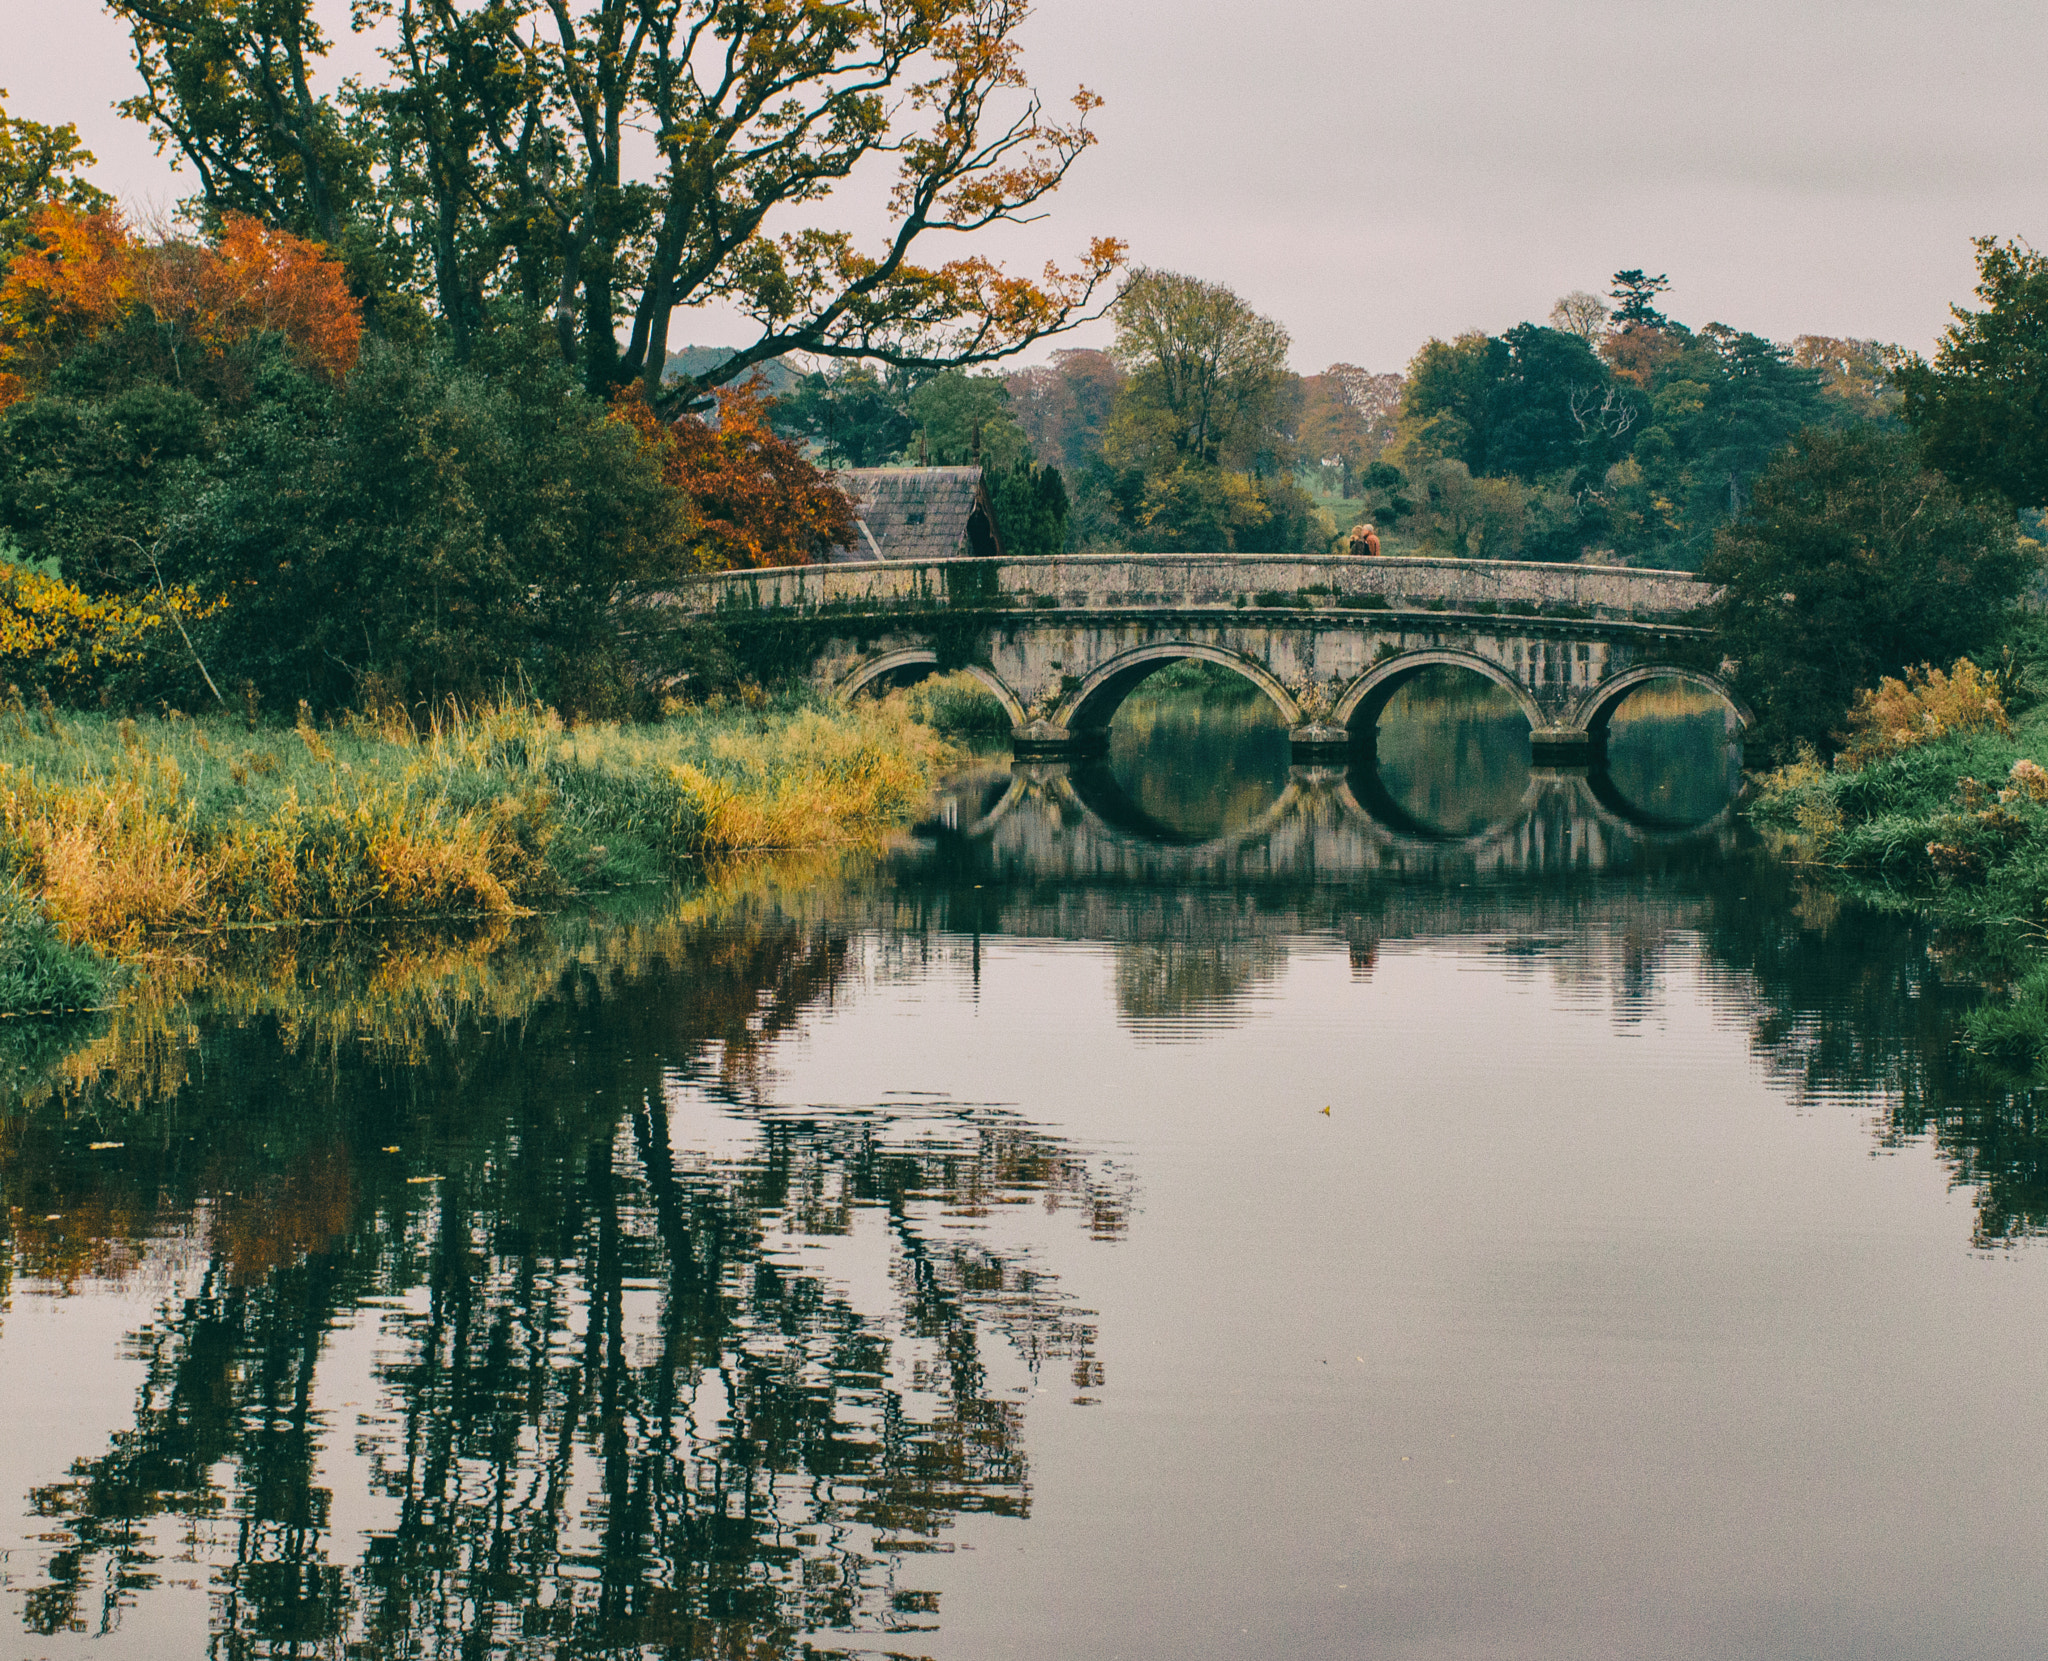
(1367, 798)
(1597, 708)
(1374, 689)
(1094, 702)
(923, 657)
(1616, 806)
(1096, 790)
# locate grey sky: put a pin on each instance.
(1372, 174)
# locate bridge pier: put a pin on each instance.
(1044, 740)
(1318, 742)
(1566, 747)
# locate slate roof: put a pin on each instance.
(919, 513)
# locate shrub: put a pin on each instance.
(958, 705)
(1925, 705)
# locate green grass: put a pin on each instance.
(123, 835)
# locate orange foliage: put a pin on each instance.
(257, 280)
(1634, 353)
(75, 278)
(758, 499)
(83, 273)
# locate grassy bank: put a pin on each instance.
(1941, 809)
(128, 838)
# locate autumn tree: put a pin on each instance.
(79, 275)
(1064, 405)
(503, 128)
(1347, 418)
(754, 498)
(40, 166)
(1862, 375)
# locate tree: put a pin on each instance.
(757, 500)
(1205, 372)
(1063, 406)
(962, 417)
(1981, 407)
(426, 529)
(1861, 374)
(1195, 454)
(855, 417)
(1582, 314)
(79, 275)
(503, 129)
(1347, 418)
(40, 166)
(1531, 403)
(1634, 296)
(1854, 560)
(1031, 509)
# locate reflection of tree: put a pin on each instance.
(1168, 980)
(1845, 999)
(622, 1408)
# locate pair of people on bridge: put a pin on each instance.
(1363, 540)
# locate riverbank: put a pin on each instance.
(125, 839)
(1954, 828)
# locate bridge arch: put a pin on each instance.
(1597, 708)
(1374, 689)
(885, 664)
(1092, 704)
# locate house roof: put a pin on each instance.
(913, 512)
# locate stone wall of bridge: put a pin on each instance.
(1329, 640)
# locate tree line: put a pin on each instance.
(392, 413)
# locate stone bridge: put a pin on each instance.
(1330, 640)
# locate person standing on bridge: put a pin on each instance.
(1364, 540)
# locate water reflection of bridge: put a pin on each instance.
(1041, 821)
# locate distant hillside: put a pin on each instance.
(694, 360)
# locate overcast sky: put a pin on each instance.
(1373, 174)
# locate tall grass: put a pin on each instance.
(125, 835)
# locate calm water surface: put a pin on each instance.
(1179, 1207)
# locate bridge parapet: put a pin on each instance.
(1233, 582)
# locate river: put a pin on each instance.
(1184, 1206)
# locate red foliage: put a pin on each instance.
(757, 499)
(83, 273)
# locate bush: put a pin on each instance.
(1926, 705)
(957, 705)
